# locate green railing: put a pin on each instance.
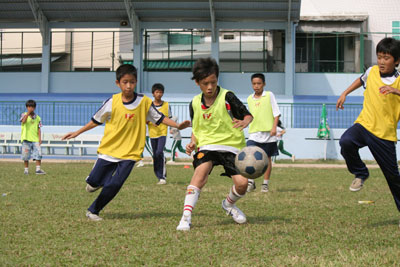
(293, 115)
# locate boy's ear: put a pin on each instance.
(117, 82)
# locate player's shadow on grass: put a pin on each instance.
(145, 215)
(283, 190)
(384, 223)
(261, 220)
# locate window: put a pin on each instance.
(20, 51)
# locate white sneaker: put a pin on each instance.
(251, 186)
(140, 164)
(264, 188)
(186, 222)
(162, 181)
(237, 215)
(26, 172)
(93, 217)
(91, 189)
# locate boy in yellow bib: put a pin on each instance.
(125, 115)
(262, 130)
(218, 118)
(158, 134)
(31, 137)
(376, 126)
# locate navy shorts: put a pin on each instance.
(226, 159)
(270, 148)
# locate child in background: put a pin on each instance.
(280, 131)
(31, 137)
(125, 115)
(376, 126)
(177, 143)
(158, 134)
(262, 130)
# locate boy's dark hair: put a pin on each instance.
(157, 86)
(258, 75)
(30, 103)
(280, 124)
(204, 67)
(389, 46)
(125, 69)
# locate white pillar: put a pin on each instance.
(138, 61)
(215, 46)
(290, 57)
(46, 61)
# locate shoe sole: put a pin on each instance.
(355, 189)
(91, 189)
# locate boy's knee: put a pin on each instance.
(345, 141)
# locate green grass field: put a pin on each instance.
(308, 218)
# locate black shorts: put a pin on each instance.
(271, 149)
(226, 159)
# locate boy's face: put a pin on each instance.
(208, 85)
(158, 95)
(30, 109)
(127, 84)
(258, 85)
(386, 63)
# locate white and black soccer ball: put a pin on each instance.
(251, 162)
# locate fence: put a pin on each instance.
(294, 115)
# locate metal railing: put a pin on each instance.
(294, 115)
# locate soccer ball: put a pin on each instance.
(251, 162)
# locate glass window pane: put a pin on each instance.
(32, 51)
(229, 51)
(81, 51)
(252, 51)
(61, 57)
(123, 48)
(201, 44)
(11, 51)
(102, 51)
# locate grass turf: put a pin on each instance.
(309, 217)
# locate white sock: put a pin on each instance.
(37, 168)
(266, 182)
(232, 197)
(191, 198)
(26, 169)
(250, 181)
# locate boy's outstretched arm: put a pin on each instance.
(87, 127)
(356, 84)
(180, 126)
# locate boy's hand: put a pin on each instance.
(190, 148)
(183, 125)
(340, 102)
(385, 90)
(241, 124)
(69, 136)
(273, 132)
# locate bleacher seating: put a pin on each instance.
(11, 143)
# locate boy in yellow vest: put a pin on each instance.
(125, 115)
(158, 134)
(376, 126)
(218, 118)
(262, 131)
(31, 137)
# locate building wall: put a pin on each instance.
(380, 14)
